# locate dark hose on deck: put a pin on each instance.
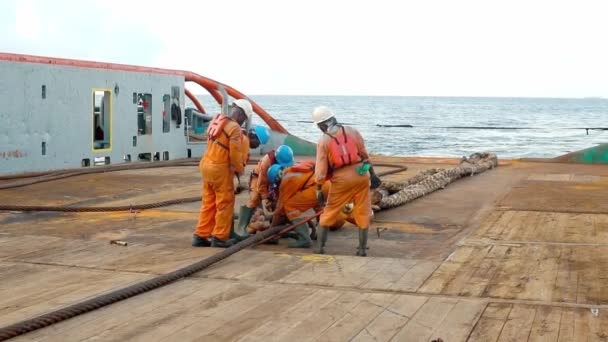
(73, 310)
(131, 207)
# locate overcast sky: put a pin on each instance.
(542, 48)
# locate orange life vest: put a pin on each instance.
(216, 127)
(343, 149)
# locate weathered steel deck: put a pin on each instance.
(517, 253)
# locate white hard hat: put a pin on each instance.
(321, 113)
(245, 106)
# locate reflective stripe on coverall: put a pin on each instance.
(245, 148)
(346, 184)
(217, 168)
(298, 193)
(259, 184)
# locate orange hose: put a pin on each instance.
(194, 100)
(211, 86)
(205, 82)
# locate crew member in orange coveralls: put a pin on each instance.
(246, 144)
(223, 158)
(341, 156)
(249, 141)
(258, 135)
(258, 184)
(297, 194)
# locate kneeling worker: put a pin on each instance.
(258, 184)
(297, 194)
(341, 156)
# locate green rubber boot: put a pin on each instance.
(303, 239)
(234, 236)
(245, 214)
(321, 239)
(362, 250)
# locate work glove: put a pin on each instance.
(267, 208)
(364, 168)
(320, 198)
(238, 188)
(267, 204)
(375, 180)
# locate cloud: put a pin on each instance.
(468, 47)
(27, 22)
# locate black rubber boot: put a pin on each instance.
(321, 239)
(303, 240)
(198, 241)
(245, 214)
(362, 250)
(215, 242)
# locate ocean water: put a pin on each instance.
(509, 127)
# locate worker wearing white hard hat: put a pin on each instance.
(342, 157)
(243, 105)
(322, 114)
(222, 160)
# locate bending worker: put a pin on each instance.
(222, 159)
(297, 194)
(258, 184)
(258, 135)
(342, 157)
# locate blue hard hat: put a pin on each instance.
(263, 134)
(284, 155)
(275, 172)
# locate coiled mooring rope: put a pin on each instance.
(73, 310)
(393, 194)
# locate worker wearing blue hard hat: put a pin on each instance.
(296, 195)
(262, 133)
(258, 135)
(258, 184)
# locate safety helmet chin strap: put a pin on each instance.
(328, 124)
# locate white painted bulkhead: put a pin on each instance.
(54, 130)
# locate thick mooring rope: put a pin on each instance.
(393, 194)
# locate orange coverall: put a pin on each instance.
(245, 147)
(217, 167)
(346, 183)
(259, 182)
(298, 193)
